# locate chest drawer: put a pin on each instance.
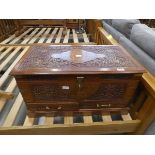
(53, 107)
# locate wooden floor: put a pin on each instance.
(13, 112)
(47, 35)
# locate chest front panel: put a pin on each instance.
(86, 91)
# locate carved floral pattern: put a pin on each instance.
(109, 91)
(40, 57)
(51, 92)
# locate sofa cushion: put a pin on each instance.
(144, 37)
(124, 25)
(116, 34)
(147, 61)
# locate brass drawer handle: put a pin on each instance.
(47, 107)
(103, 105)
(59, 108)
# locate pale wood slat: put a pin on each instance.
(30, 36)
(8, 39)
(6, 61)
(49, 40)
(68, 118)
(10, 88)
(44, 35)
(58, 38)
(126, 116)
(66, 38)
(87, 116)
(49, 120)
(22, 35)
(6, 74)
(106, 117)
(5, 52)
(75, 37)
(28, 121)
(13, 112)
(36, 36)
(85, 37)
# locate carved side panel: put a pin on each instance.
(110, 91)
(53, 92)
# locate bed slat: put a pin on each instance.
(28, 121)
(87, 118)
(8, 39)
(19, 37)
(49, 120)
(75, 38)
(68, 119)
(44, 35)
(30, 36)
(125, 116)
(6, 74)
(36, 36)
(13, 112)
(49, 40)
(9, 58)
(66, 36)
(106, 117)
(5, 52)
(58, 38)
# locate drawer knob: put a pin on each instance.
(103, 105)
(59, 108)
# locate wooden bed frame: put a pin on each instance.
(33, 35)
(134, 121)
(7, 27)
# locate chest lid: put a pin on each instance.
(76, 59)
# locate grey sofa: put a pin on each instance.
(137, 38)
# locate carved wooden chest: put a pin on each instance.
(76, 78)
